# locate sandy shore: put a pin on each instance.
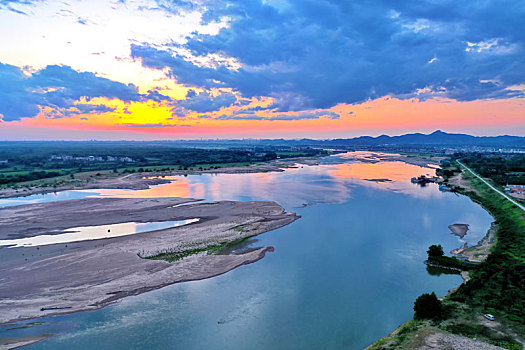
(87, 275)
(481, 251)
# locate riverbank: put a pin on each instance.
(140, 180)
(88, 275)
(482, 291)
(154, 176)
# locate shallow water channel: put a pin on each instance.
(85, 233)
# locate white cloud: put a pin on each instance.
(107, 28)
(417, 26)
(519, 87)
(494, 46)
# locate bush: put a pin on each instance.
(435, 251)
(428, 306)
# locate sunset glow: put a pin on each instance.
(201, 70)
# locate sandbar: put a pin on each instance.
(87, 275)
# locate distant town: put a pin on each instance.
(91, 158)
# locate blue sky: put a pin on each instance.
(208, 62)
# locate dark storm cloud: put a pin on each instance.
(204, 102)
(57, 87)
(315, 54)
(61, 88)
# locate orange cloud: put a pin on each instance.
(371, 117)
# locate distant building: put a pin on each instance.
(5, 161)
(90, 158)
(515, 189)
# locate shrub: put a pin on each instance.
(435, 251)
(428, 306)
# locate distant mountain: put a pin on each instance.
(436, 138)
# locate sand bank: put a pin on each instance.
(459, 230)
(87, 275)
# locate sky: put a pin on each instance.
(177, 69)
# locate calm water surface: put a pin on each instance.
(342, 276)
(86, 233)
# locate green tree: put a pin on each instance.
(435, 251)
(428, 306)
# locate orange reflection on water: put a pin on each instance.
(179, 187)
(394, 171)
(369, 155)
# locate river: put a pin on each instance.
(342, 276)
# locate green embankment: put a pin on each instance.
(496, 286)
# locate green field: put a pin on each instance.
(35, 163)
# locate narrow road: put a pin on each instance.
(494, 188)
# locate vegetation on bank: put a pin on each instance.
(24, 162)
(176, 255)
(496, 286)
(437, 258)
(428, 306)
(502, 169)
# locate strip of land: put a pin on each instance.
(139, 180)
(64, 278)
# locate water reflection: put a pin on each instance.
(298, 186)
(330, 182)
(85, 233)
(391, 176)
(368, 156)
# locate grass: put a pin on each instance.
(177, 167)
(172, 256)
(399, 337)
(453, 262)
(64, 180)
(86, 176)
